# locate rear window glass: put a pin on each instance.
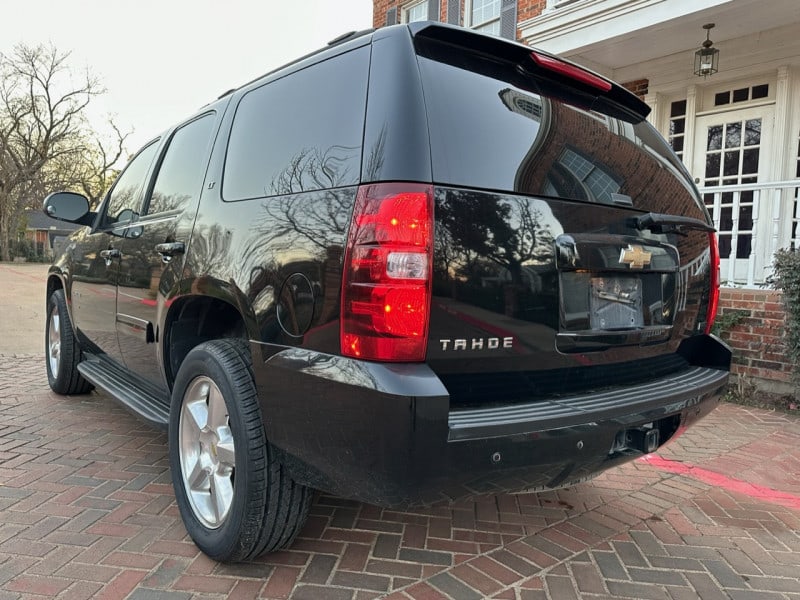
(489, 133)
(300, 133)
(481, 128)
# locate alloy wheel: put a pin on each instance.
(207, 453)
(54, 341)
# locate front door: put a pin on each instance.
(733, 149)
(96, 257)
(95, 265)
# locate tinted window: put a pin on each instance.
(481, 128)
(300, 133)
(126, 193)
(493, 127)
(181, 173)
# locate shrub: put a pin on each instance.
(786, 277)
(727, 320)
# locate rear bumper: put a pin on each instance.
(384, 434)
(662, 397)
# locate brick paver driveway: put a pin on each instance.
(87, 510)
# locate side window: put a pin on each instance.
(180, 175)
(300, 133)
(415, 12)
(484, 15)
(126, 193)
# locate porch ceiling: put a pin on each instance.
(610, 34)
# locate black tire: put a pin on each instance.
(62, 352)
(268, 508)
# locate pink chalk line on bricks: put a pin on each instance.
(730, 484)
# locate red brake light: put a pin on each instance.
(386, 290)
(572, 71)
(713, 298)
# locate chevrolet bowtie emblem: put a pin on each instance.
(635, 256)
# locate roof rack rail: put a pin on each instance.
(348, 36)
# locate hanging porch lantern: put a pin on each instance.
(706, 59)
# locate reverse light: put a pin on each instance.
(572, 71)
(714, 281)
(386, 290)
(407, 265)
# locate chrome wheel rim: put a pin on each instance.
(207, 452)
(54, 341)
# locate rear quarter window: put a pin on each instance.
(180, 175)
(300, 133)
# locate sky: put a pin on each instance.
(161, 60)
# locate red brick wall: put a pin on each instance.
(379, 8)
(638, 87)
(758, 347)
(526, 9)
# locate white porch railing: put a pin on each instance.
(775, 225)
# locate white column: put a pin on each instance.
(785, 142)
(656, 117)
(783, 136)
(688, 136)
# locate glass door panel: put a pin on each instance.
(732, 149)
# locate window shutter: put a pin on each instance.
(433, 10)
(454, 12)
(508, 19)
(391, 16)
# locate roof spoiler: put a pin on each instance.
(553, 75)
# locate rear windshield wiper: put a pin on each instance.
(661, 223)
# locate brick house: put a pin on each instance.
(45, 233)
(736, 130)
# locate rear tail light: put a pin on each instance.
(572, 71)
(386, 290)
(713, 296)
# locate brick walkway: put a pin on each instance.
(87, 510)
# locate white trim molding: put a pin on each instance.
(564, 28)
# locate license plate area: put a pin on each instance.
(615, 291)
(615, 303)
(599, 311)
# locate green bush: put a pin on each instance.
(727, 320)
(786, 277)
(28, 250)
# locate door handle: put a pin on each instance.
(169, 250)
(109, 255)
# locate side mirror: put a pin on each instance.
(125, 217)
(67, 206)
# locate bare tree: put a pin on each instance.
(42, 124)
(94, 169)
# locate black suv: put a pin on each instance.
(418, 265)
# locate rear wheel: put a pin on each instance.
(63, 352)
(235, 498)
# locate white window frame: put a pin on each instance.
(405, 10)
(707, 106)
(468, 17)
(556, 4)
